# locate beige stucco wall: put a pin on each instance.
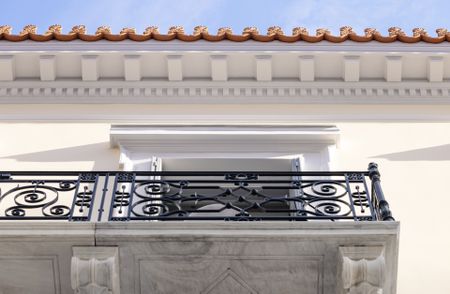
(414, 160)
(57, 147)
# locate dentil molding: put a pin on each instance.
(229, 92)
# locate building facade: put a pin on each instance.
(223, 163)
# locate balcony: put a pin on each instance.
(196, 232)
(172, 196)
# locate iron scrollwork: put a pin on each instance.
(162, 196)
(38, 196)
(48, 198)
(240, 196)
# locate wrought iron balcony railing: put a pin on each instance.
(164, 196)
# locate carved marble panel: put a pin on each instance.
(229, 274)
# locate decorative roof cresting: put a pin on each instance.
(54, 32)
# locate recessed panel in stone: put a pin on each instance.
(26, 275)
(230, 274)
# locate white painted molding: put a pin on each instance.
(219, 67)
(125, 161)
(351, 68)
(95, 270)
(435, 68)
(7, 69)
(132, 67)
(363, 269)
(306, 68)
(263, 68)
(238, 77)
(221, 141)
(47, 67)
(393, 69)
(89, 67)
(175, 67)
(231, 92)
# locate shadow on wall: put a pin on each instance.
(435, 153)
(101, 154)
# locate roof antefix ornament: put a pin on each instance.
(274, 33)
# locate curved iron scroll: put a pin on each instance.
(68, 198)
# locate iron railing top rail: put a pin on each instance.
(185, 173)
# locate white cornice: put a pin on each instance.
(231, 92)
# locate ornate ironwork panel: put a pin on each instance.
(50, 196)
(241, 196)
(169, 196)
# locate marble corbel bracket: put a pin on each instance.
(95, 270)
(363, 269)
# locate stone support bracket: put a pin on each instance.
(363, 269)
(95, 270)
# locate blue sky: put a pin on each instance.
(236, 14)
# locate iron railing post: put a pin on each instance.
(383, 205)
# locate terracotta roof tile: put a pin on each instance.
(299, 34)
